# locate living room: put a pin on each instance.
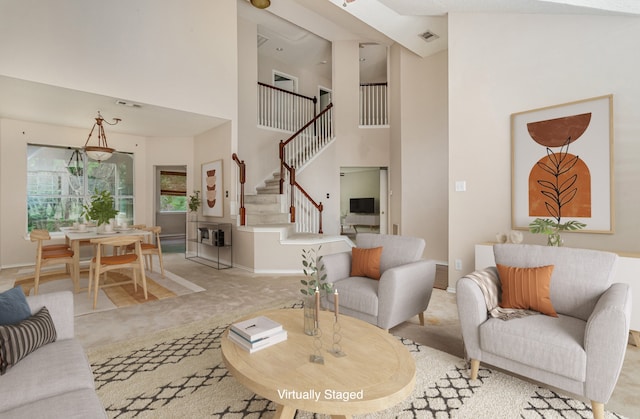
(451, 120)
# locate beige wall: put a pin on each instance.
(359, 183)
(179, 55)
(424, 136)
(256, 146)
(544, 60)
(15, 249)
(212, 145)
(419, 134)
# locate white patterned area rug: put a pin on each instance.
(180, 373)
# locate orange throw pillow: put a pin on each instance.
(526, 288)
(366, 262)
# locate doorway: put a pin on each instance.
(324, 98)
(171, 207)
(285, 82)
(359, 186)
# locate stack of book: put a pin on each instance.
(257, 333)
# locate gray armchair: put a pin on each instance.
(580, 351)
(403, 290)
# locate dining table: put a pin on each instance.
(75, 237)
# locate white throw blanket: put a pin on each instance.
(489, 283)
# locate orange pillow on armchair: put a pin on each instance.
(366, 262)
(526, 288)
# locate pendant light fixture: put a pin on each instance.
(261, 4)
(102, 151)
(76, 163)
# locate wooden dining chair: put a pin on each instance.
(102, 263)
(153, 247)
(56, 254)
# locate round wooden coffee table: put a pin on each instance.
(377, 372)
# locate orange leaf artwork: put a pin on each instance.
(560, 182)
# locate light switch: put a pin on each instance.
(461, 185)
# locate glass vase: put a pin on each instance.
(554, 239)
(309, 309)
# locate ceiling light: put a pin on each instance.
(102, 151)
(76, 163)
(261, 4)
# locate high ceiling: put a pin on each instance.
(371, 22)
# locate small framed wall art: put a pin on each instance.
(212, 202)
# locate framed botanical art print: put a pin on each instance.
(212, 202)
(562, 165)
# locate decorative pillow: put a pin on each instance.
(19, 340)
(526, 288)
(366, 262)
(13, 306)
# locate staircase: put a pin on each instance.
(267, 207)
(274, 227)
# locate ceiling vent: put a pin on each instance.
(261, 40)
(428, 36)
(129, 104)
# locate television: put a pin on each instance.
(362, 205)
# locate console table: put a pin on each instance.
(210, 243)
(368, 220)
(627, 270)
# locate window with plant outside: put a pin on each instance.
(173, 191)
(60, 180)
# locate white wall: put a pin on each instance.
(179, 55)
(523, 62)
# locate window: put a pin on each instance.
(60, 180)
(173, 191)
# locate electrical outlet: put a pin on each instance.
(458, 265)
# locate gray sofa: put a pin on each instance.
(54, 381)
(580, 351)
(403, 290)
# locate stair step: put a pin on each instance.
(275, 189)
(263, 208)
(262, 219)
(262, 199)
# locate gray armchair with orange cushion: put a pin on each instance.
(578, 346)
(387, 283)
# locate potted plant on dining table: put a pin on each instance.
(101, 209)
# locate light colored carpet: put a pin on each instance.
(179, 372)
(110, 298)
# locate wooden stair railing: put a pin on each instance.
(283, 109)
(243, 179)
(309, 144)
(294, 185)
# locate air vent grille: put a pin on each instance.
(428, 36)
(129, 104)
